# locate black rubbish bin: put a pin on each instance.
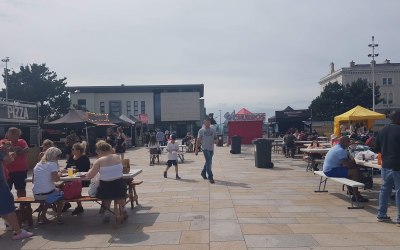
(262, 153)
(220, 141)
(236, 145)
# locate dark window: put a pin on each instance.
(142, 107)
(102, 108)
(389, 81)
(128, 108)
(115, 108)
(135, 108)
(384, 81)
(82, 103)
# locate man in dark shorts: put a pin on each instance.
(19, 167)
(338, 163)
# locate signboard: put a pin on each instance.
(15, 112)
(249, 117)
(301, 114)
(144, 118)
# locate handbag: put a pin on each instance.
(94, 184)
(72, 190)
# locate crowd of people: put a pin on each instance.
(47, 173)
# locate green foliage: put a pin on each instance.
(336, 99)
(36, 83)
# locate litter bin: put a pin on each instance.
(236, 145)
(262, 153)
(220, 141)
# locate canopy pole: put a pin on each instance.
(87, 136)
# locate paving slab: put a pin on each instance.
(246, 208)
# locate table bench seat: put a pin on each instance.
(343, 181)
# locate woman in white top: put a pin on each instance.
(45, 173)
(109, 165)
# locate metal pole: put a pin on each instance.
(6, 60)
(220, 123)
(373, 85)
(373, 55)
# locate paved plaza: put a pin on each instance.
(246, 208)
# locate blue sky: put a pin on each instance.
(260, 54)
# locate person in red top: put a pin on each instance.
(17, 169)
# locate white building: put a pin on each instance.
(387, 77)
(174, 107)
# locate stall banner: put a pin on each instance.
(249, 117)
(15, 112)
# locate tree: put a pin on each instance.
(36, 83)
(336, 99)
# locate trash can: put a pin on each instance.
(262, 153)
(236, 145)
(220, 141)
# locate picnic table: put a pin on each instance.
(315, 150)
(77, 176)
(181, 154)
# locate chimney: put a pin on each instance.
(352, 64)
(387, 61)
(332, 67)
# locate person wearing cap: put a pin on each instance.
(207, 136)
(172, 149)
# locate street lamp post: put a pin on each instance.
(6, 60)
(220, 124)
(373, 55)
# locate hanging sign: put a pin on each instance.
(15, 112)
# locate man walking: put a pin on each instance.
(388, 144)
(207, 137)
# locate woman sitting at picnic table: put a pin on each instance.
(111, 186)
(313, 156)
(81, 163)
(45, 174)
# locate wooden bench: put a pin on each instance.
(119, 212)
(345, 182)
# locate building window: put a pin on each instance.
(390, 98)
(102, 108)
(142, 107)
(384, 98)
(128, 108)
(82, 103)
(387, 81)
(135, 108)
(115, 108)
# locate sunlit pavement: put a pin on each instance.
(246, 208)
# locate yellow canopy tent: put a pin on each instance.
(357, 114)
